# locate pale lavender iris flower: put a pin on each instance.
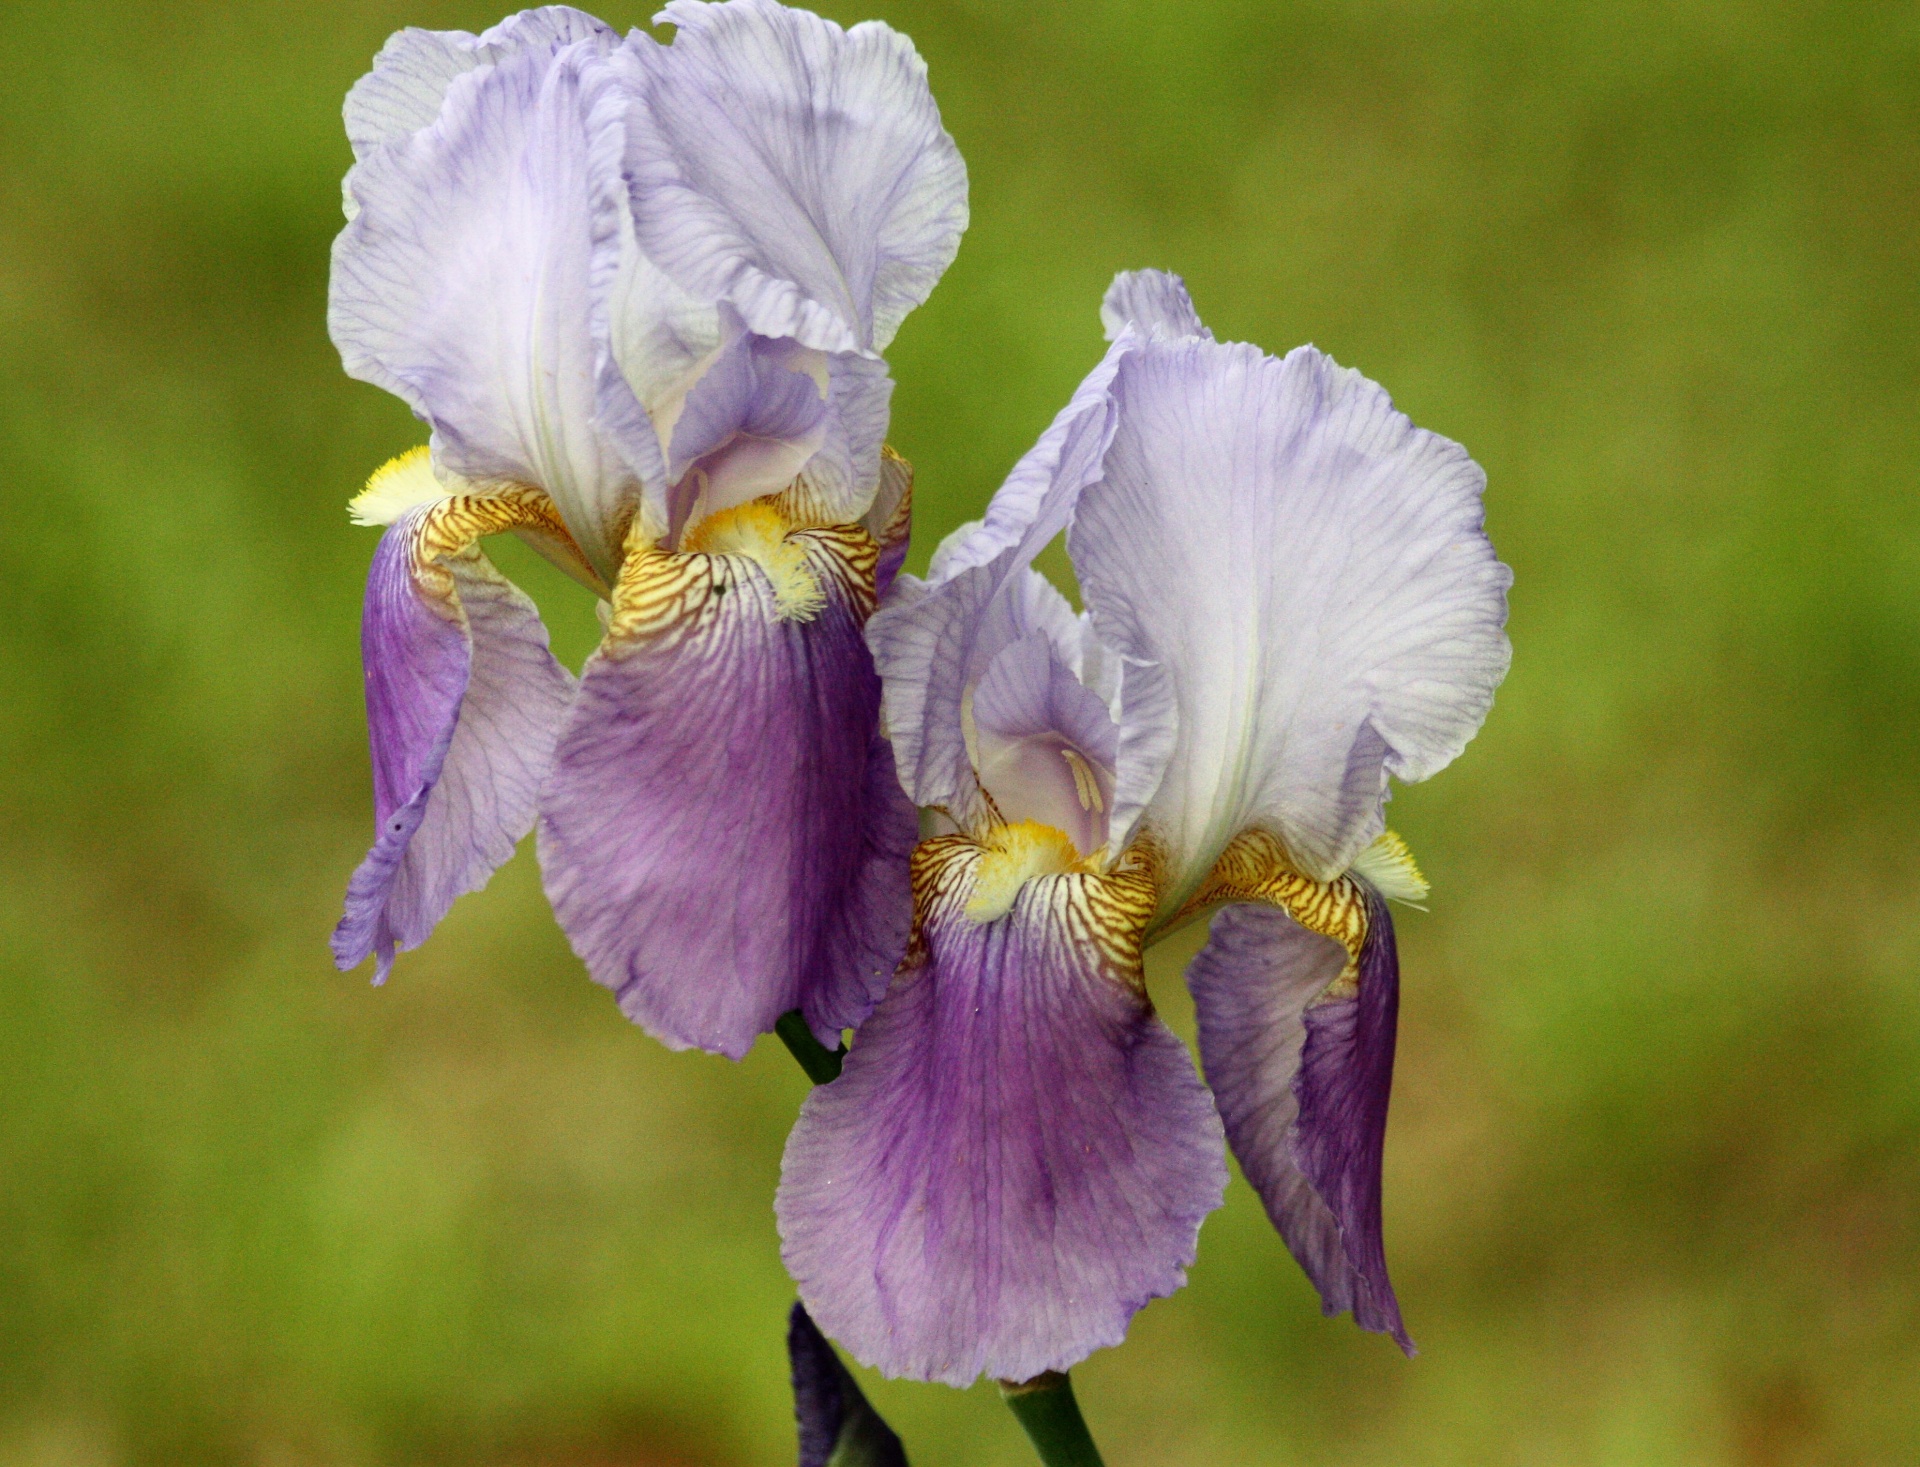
(1290, 598)
(639, 292)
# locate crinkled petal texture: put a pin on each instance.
(796, 170)
(464, 702)
(463, 284)
(1154, 304)
(1018, 1154)
(724, 838)
(1309, 572)
(410, 76)
(1302, 1078)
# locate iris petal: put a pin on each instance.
(793, 169)
(464, 702)
(464, 285)
(934, 639)
(1309, 573)
(1302, 1077)
(1045, 744)
(410, 76)
(1018, 1154)
(1153, 303)
(724, 838)
(889, 519)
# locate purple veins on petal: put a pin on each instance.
(1345, 1080)
(1311, 573)
(724, 838)
(1302, 1081)
(404, 91)
(464, 702)
(793, 169)
(1153, 303)
(1017, 1155)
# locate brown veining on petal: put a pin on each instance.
(1106, 912)
(453, 527)
(800, 569)
(1255, 868)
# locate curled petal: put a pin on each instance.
(1309, 572)
(934, 640)
(1153, 303)
(724, 838)
(1045, 742)
(747, 428)
(410, 76)
(793, 169)
(463, 284)
(1017, 1155)
(840, 483)
(889, 519)
(464, 702)
(838, 1427)
(1302, 1077)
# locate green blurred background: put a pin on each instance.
(1654, 1168)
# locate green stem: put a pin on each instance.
(1046, 1408)
(821, 1064)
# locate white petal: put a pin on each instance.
(794, 169)
(1154, 303)
(410, 76)
(464, 287)
(1309, 571)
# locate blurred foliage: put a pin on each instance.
(1654, 1171)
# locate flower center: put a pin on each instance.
(758, 531)
(1013, 856)
(1045, 777)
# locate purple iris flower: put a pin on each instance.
(1289, 597)
(639, 292)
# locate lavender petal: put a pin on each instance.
(1018, 1153)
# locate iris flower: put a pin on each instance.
(1289, 599)
(639, 292)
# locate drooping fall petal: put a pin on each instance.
(1302, 1079)
(724, 838)
(464, 702)
(1017, 1155)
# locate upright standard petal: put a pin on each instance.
(410, 76)
(1153, 303)
(464, 702)
(724, 838)
(1309, 572)
(1018, 1154)
(933, 641)
(1301, 1065)
(463, 284)
(796, 170)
